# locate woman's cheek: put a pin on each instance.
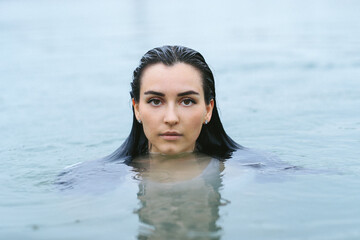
(196, 119)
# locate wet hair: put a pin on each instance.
(212, 140)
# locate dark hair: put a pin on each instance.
(212, 140)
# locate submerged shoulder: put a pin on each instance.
(94, 175)
(258, 159)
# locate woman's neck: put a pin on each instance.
(180, 167)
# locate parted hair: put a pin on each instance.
(212, 140)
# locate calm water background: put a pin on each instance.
(287, 75)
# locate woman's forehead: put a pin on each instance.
(176, 78)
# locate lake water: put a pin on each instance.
(287, 77)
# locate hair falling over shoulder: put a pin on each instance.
(212, 140)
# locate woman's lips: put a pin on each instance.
(171, 136)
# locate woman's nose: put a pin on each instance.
(171, 116)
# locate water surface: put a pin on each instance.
(287, 83)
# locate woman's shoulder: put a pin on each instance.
(92, 176)
(265, 166)
(259, 159)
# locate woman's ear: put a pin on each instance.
(136, 109)
(209, 109)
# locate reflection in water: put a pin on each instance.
(179, 198)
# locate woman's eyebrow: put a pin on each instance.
(188, 93)
(154, 93)
(179, 95)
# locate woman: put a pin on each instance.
(174, 107)
(175, 118)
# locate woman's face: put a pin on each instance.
(172, 107)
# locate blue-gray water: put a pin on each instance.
(287, 77)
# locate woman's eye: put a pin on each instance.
(187, 102)
(154, 102)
